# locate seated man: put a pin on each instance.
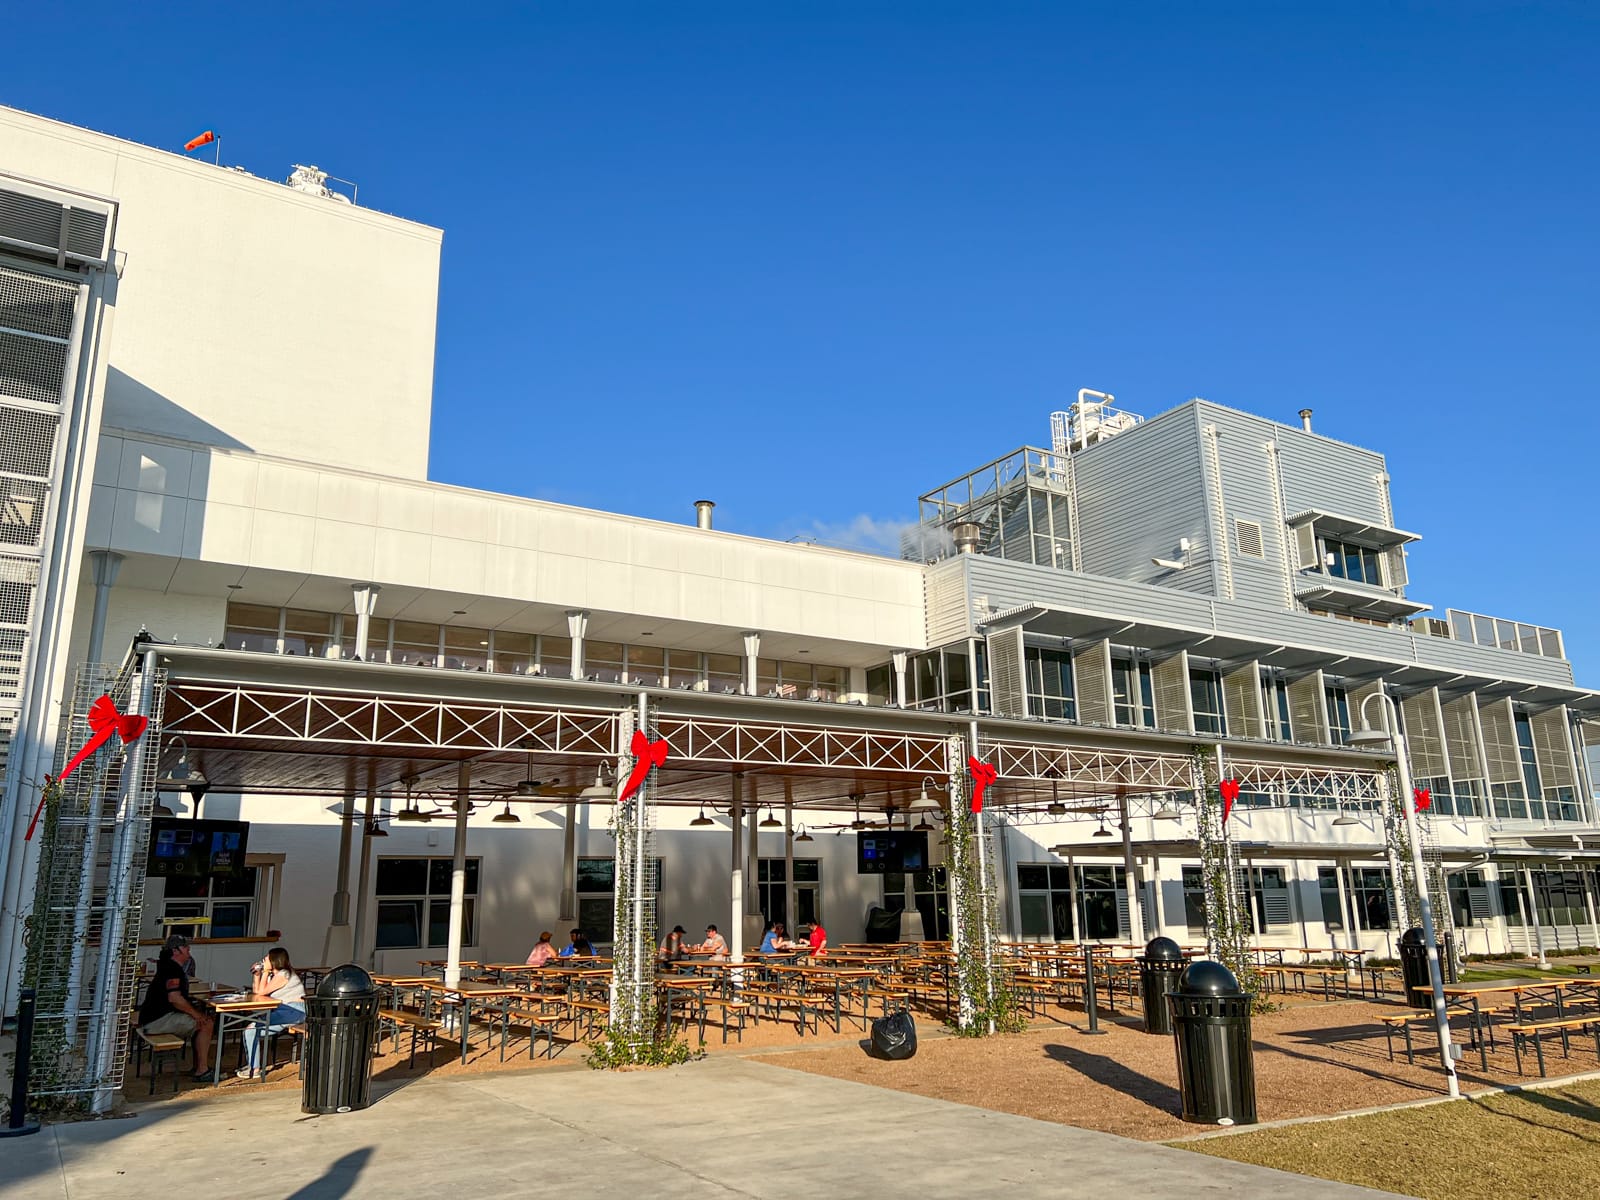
(714, 947)
(167, 1007)
(576, 938)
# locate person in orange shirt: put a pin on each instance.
(819, 939)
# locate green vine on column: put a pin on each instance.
(1398, 839)
(986, 1001)
(1227, 918)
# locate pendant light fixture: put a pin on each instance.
(702, 820)
(803, 836)
(770, 821)
(507, 817)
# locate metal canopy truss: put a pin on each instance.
(1086, 771)
(1311, 786)
(703, 741)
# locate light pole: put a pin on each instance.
(1391, 733)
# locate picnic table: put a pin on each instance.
(465, 993)
(251, 1010)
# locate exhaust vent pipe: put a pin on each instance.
(966, 534)
(702, 513)
(1305, 419)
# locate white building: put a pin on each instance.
(245, 379)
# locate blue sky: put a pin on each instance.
(810, 260)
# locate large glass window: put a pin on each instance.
(1328, 891)
(1102, 902)
(513, 653)
(603, 661)
(726, 672)
(772, 888)
(930, 891)
(1133, 693)
(1205, 694)
(1358, 564)
(413, 902)
(555, 655)
(597, 896)
(1050, 691)
(1269, 895)
(1530, 766)
(227, 904)
(1275, 703)
(309, 633)
(685, 668)
(1194, 900)
(1338, 714)
(466, 649)
(1044, 896)
(1371, 895)
(415, 643)
(646, 665)
(252, 627)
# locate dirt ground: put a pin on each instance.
(1312, 1058)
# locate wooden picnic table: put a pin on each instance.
(466, 992)
(251, 1010)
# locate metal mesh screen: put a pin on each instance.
(31, 368)
(634, 926)
(33, 304)
(81, 946)
(27, 441)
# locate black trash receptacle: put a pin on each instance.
(1414, 966)
(1159, 968)
(1211, 1026)
(341, 1020)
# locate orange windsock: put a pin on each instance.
(205, 139)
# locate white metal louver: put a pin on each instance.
(1091, 668)
(1241, 700)
(1007, 687)
(1424, 734)
(1552, 749)
(1308, 709)
(1500, 742)
(1169, 678)
(1247, 536)
(1305, 545)
(1461, 738)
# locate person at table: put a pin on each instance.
(581, 948)
(714, 947)
(571, 948)
(168, 1008)
(272, 979)
(818, 939)
(672, 947)
(544, 951)
(775, 940)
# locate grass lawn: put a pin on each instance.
(1534, 1145)
(1485, 972)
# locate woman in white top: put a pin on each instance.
(274, 979)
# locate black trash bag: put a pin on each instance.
(894, 1036)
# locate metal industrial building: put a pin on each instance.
(216, 394)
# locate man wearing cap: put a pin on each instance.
(167, 1007)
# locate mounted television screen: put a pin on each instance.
(891, 850)
(196, 849)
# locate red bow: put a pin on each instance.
(982, 776)
(104, 720)
(1423, 797)
(646, 754)
(1230, 792)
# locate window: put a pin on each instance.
(413, 901)
(1194, 900)
(1371, 895)
(1050, 692)
(646, 665)
(1132, 693)
(1469, 898)
(1102, 902)
(1275, 703)
(685, 668)
(513, 652)
(880, 684)
(415, 643)
(252, 627)
(1530, 766)
(1358, 564)
(308, 633)
(1328, 889)
(228, 902)
(1338, 714)
(931, 892)
(1205, 693)
(555, 655)
(603, 661)
(772, 889)
(726, 672)
(1044, 896)
(1269, 895)
(466, 649)
(597, 896)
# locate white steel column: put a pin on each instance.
(752, 651)
(1533, 914)
(358, 934)
(337, 943)
(105, 564)
(788, 866)
(577, 626)
(899, 658)
(1137, 929)
(458, 876)
(1348, 921)
(365, 596)
(569, 867)
(735, 936)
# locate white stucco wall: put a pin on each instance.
(251, 315)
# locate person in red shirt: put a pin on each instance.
(819, 939)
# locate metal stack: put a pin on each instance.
(82, 934)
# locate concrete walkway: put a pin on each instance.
(723, 1127)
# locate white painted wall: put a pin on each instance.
(251, 315)
(509, 562)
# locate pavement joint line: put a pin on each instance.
(1509, 1089)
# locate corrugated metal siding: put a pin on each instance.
(1249, 494)
(1007, 585)
(1552, 749)
(1321, 473)
(1424, 734)
(1138, 493)
(1091, 669)
(1169, 680)
(1007, 692)
(1500, 742)
(1241, 699)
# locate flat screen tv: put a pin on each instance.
(891, 850)
(188, 849)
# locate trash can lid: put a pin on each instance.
(1207, 978)
(1163, 950)
(348, 980)
(1412, 937)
